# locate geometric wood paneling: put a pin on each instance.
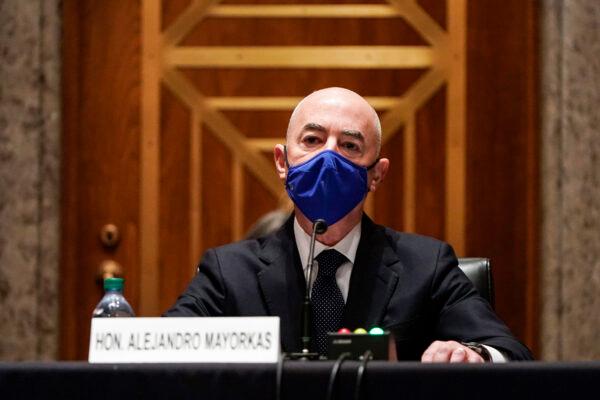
(165, 60)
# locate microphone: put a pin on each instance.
(319, 227)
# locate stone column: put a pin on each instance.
(29, 178)
(570, 138)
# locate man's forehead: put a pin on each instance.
(334, 99)
(338, 109)
(328, 111)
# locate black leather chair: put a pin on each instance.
(479, 271)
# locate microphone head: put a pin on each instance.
(320, 226)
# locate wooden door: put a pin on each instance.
(172, 109)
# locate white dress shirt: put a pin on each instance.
(348, 247)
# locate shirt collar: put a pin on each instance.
(347, 246)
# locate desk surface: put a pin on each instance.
(301, 380)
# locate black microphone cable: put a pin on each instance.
(279, 375)
(334, 374)
(360, 373)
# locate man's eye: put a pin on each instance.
(311, 140)
(350, 146)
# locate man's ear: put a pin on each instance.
(280, 164)
(378, 173)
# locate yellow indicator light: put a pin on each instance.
(360, 331)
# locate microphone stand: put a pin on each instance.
(319, 227)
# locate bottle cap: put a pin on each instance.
(113, 283)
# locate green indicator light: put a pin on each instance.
(360, 331)
(376, 331)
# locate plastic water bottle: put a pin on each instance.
(113, 304)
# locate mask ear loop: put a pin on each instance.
(287, 164)
(372, 165)
(369, 167)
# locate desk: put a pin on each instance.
(301, 380)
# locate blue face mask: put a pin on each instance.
(328, 186)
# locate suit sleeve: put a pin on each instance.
(464, 315)
(206, 294)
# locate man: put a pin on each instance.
(366, 275)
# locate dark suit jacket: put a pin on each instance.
(406, 283)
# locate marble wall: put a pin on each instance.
(29, 178)
(570, 139)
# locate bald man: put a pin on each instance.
(366, 275)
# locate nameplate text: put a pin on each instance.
(185, 340)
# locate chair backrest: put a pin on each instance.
(479, 271)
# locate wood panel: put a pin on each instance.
(175, 265)
(396, 53)
(502, 195)
(101, 67)
(430, 192)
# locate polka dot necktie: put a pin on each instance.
(327, 300)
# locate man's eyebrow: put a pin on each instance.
(355, 134)
(312, 126)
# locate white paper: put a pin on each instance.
(184, 340)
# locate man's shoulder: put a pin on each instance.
(267, 247)
(406, 239)
(412, 248)
(247, 246)
(394, 236)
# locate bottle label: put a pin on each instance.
(181, 340)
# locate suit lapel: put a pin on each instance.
(282, 283)
(371, 285)
(373, 281)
